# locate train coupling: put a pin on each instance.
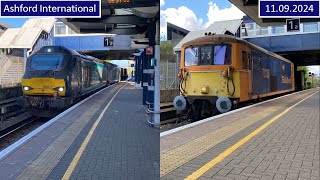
(23, 102)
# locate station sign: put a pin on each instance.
(293, 25)
(289, 9)
(49, 8)
(108, 41)
(149, 50)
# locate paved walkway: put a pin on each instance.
(286, 149)
(77, 146)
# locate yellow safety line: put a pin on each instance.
(223, 155)
(83, 146)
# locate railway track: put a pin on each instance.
(14, 129)
(8, 130)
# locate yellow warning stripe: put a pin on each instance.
(223, 155)
(83, 146)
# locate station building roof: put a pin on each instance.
(220, 27)
(4, 27)
(27, 35)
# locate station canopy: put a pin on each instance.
(118, 17)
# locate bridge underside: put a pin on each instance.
(301, 49)
(122, 18)
(303, 58)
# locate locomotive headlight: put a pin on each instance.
(60, 89)
(26, 88)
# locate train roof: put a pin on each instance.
(64, 50)
(230, 39)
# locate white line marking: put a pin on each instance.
(23, 140)
(175, 130)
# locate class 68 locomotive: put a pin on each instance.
(217, 72)
(57, 77)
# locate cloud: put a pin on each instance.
(186, 18)
(216, 14)
(182, 17)
(162, 3)
(314, 69)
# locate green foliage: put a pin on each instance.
(166, 46)
(305, 71)
(166, 51)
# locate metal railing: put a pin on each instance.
(4, 67)
(252, 30)
(5, 63)
(169, 75)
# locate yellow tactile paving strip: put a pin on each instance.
(174, 158)
(46, 162)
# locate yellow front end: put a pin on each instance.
(212, 83)
(43, 86)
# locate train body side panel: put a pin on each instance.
(270, 75)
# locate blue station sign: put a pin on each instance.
(59, 8)
(289, 9)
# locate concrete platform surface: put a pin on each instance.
(106, 137)
(278, 139)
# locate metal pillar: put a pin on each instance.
(145, 73)
(140, 70)
(150, 94)
(137, 70)
(157, 76)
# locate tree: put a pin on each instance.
(305, 71)
(166, 50)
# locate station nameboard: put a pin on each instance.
(61, 8)
(289, 9)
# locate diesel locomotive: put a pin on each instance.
(217, 72)
(57, 77)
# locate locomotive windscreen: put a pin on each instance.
(208, 55)
(46, 62)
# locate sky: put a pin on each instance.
(14, 22)
(196, 14)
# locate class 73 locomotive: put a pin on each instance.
(57, 77)
(219, 71)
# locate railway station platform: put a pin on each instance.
(275, 139)
(106, 136)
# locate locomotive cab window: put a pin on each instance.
(46, 62)
(191, 56)
(208, 55)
